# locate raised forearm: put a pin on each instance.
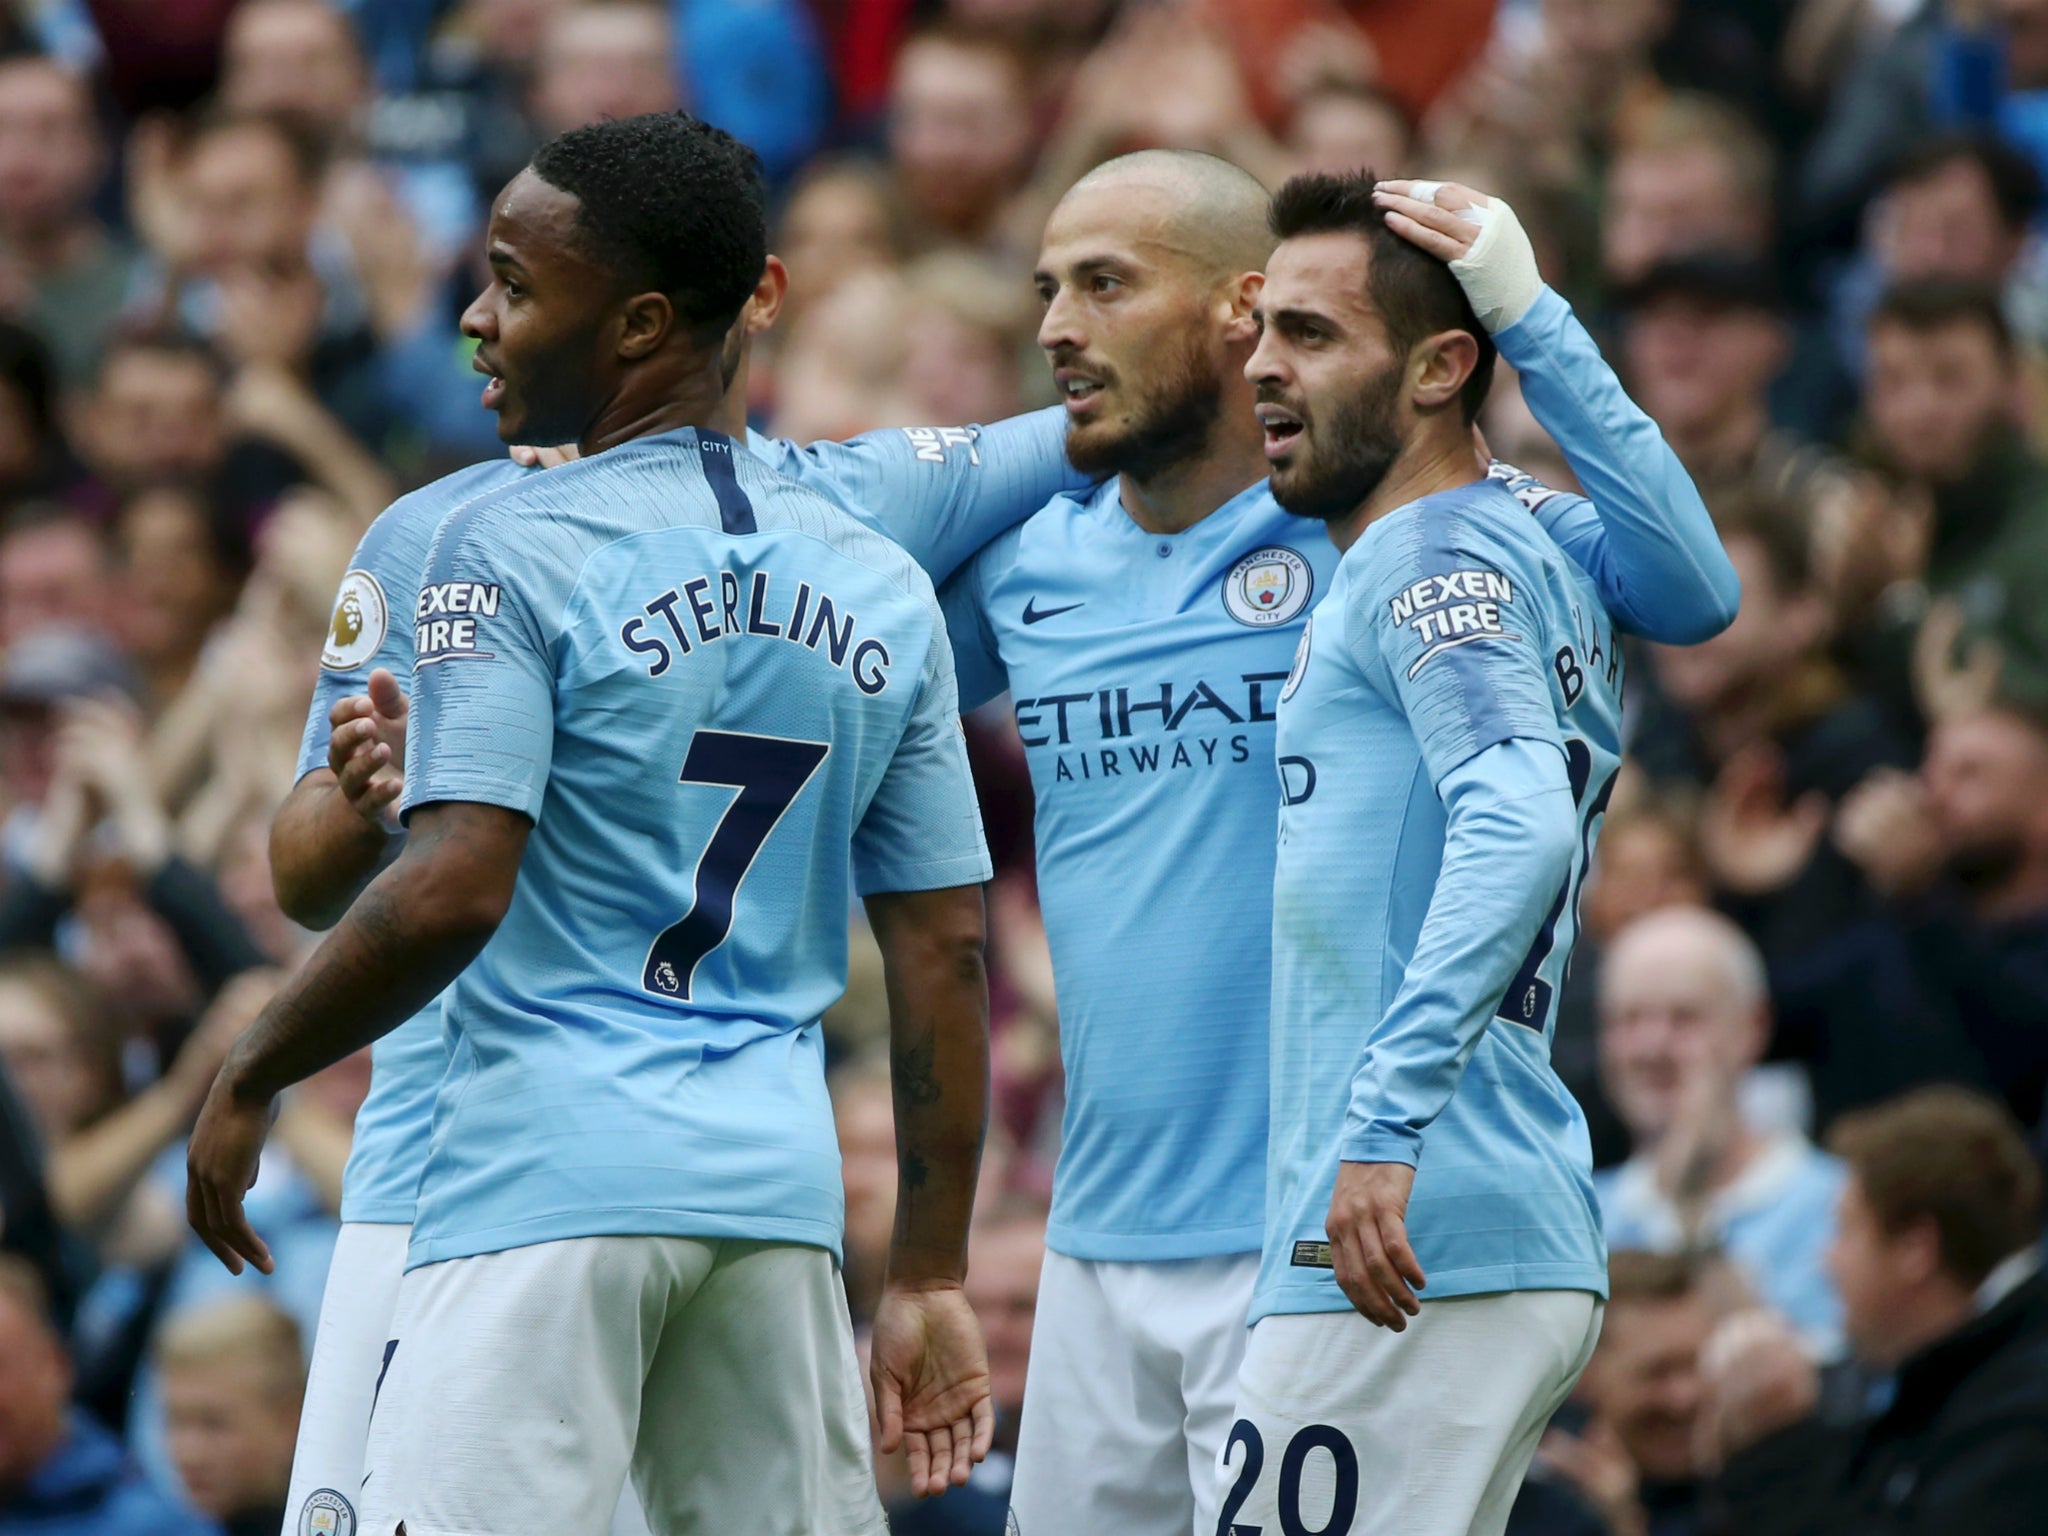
(396, 948)
(932, 945)
(322, 854)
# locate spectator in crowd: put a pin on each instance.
(961, 139)
(1941, 401)
(55, 569)
(1343, 126)
(60, 1473)
(179, 567)
(1684, 1018)
(611, 58)
(864, 1112)
(33, 460)
(1958, 951)
(233, 1375)
(1636, 1458)
(841, 221)
(62, 270)
(1939, 1267)
(1694, 178)
(1959, 207)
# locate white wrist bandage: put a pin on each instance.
(1499, 273)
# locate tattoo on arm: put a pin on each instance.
(915, 1071)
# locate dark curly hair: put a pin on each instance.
(670, 205)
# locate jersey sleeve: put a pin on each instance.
(939, 492)
(977, 660)
(1508, 844)
(481, 727)
(1452, 633)
(922, 829)
(370, 628)
(1646, 538)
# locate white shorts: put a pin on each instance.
(1131, 1390)
(527, 1385)
(341, 1383)
(1348, 1429)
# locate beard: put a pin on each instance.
(1168, 425)
(1349, 455)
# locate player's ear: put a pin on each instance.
(766, 304)
(644, 324)
(1243, 299)
(1439, 367)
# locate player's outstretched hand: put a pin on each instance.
(1479, 236)
(220, 1167)
(1368, 1232)
(931, 1381)
(367, 749)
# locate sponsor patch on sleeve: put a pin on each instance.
(447, 623)
(1453, 609)
(934, 444)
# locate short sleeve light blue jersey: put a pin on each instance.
(940, 492)
(1460, 672)
(727, 707)
(372, 628)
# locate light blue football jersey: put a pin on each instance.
(1143, 670)
(941, 492)
(727, 707)
(1453, 625)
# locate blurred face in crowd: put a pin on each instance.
(538, 325)
(960, 130)
(297, 58)
(836, 226)
(1334, 391)
(1644, 866)
(35, 1382)
(2025, 25)
(174, 588)
(1680, 200)
(865, 1117)
(1644, 1380)
(1672, 1012)
(958, 370)
(1002, 1287)
(50, 151)
(1338, 131)
(1603, 41)
(605, 60)
(1140, 333)
(249, 200)
(1947, 224)
(155, 415)
(1934, 395)
(1696, 366)
(51, 573)
(44, 1062)
(229, 1435)
(510, 32)
(1986, 778)
(1774, 631)
(1881, 1277)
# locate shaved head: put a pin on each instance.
(1199, 206)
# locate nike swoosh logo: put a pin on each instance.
(1033, 614)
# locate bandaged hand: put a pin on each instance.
(1478, 236)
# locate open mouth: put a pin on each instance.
(1282, 426)
(1079, 390)
(494, 391)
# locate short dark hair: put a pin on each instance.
(669, 204)
(1415, 293)
(1953, 1157)
(2015, 183)
(1778, 523)
(167, 340)
(1936, 303)
(304, 147)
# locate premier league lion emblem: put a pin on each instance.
(360, 619)
(1268, 586)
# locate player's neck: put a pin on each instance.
(692, 393)
(1179, 496)
(1433, 462)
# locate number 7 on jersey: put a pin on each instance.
(769, 772)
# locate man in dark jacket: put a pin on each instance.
(1947, 1309)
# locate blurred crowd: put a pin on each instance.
(1809, 1015)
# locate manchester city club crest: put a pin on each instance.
(1268, 586)
(327, 1513)
(361, 617)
